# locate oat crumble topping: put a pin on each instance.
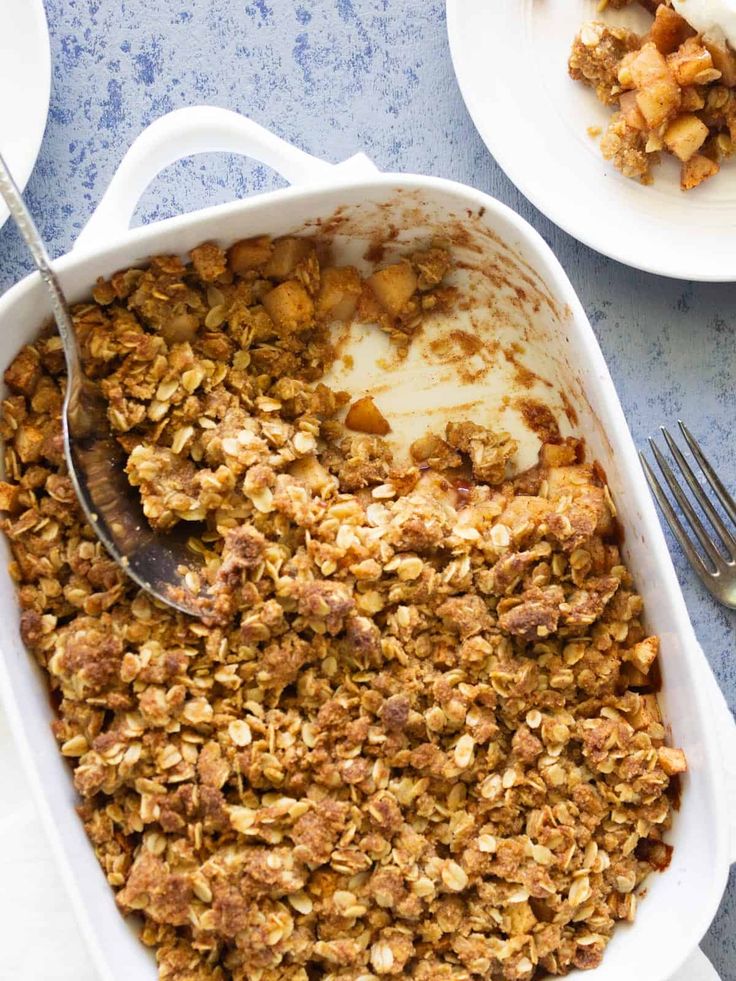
(422, 740)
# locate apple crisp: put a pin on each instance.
(421, 738)
(673, 91)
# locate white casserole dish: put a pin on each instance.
(520, 294)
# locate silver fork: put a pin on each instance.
(716, 563)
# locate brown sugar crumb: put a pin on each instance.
(626, 147)
(209, 262)
(417, 745)
(596, 55)
(360, 461)
(488, 451)
(435, 453)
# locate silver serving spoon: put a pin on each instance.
(95, 459)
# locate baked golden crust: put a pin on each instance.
(422, 741)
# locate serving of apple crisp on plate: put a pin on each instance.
(672, 91)
(651, 98)
(418, 735)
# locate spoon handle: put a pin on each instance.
(27, 227)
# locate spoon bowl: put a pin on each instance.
(162, 564)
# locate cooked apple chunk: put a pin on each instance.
(644, 654)
(669, 30)
(692, 64)
(724, 60)
(631, 111)
(685, 136)
(394, 286)
(249, 254)
(674, 89)
(692, 99)
(287, 253)
(289, 306)
(365, 417)
(657, 92)
(672, 760)
(697, 169)
(339, 291)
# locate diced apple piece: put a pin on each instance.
(9, 494)
(658, 101)
(339, 291)
(644, 654)
(310, 471)
(24, 372)
(249, 254)
(724, 146)
(287, 253)
(624, 75)
(364, 417)
(558, 454)
(646, 713)
(658, 95)
(685, 136)
(289, 306)
(654, 143)
(646, 66)
(672, 760)
(632, 677)
(370, 310)
(29, 440)
(631, 111)
(691, 100)
(394, 286)
(724, 60)
(669, 30)
(692, 64)
(697, 169)
(180, 328)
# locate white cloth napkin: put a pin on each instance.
(40, 937)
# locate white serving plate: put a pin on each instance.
(510, 58)
(520, 294)
(25, 83)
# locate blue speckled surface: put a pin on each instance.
(336, 76)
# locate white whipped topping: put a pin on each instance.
(716, 18)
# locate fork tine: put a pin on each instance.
(673, 521)
(729, 505)
(700, 496)
(688, 510)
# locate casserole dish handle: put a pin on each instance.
(201, 129)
